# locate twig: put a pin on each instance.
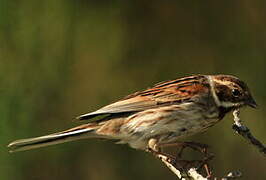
(165, 160)
(233, 175)
(245, 132)
(195, 175)
(191, 174)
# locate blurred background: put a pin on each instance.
(59, 59)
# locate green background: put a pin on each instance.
(59, 59)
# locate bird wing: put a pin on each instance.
(170, 92)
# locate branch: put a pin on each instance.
(191, 174)
(233, 175)
(245, 132)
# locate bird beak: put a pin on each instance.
(251, 102)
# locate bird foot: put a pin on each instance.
(178, 162)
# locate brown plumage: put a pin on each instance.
(166, 112)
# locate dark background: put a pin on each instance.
(59, 59)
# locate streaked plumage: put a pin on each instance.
(166, 112)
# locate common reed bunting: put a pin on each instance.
(162, 114)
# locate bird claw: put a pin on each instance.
(180, 163)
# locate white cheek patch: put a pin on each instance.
(230, 104)
(214, 95)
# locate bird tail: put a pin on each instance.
(80, 132)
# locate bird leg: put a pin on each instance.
(167, 159)
(202, 148)
(156, 150)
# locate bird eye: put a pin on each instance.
(236, 92)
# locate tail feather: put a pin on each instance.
(80, 132)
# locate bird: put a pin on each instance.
(158, 116)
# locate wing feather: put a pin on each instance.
(128, 105)
(171, 92)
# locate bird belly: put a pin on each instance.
(167, 124)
